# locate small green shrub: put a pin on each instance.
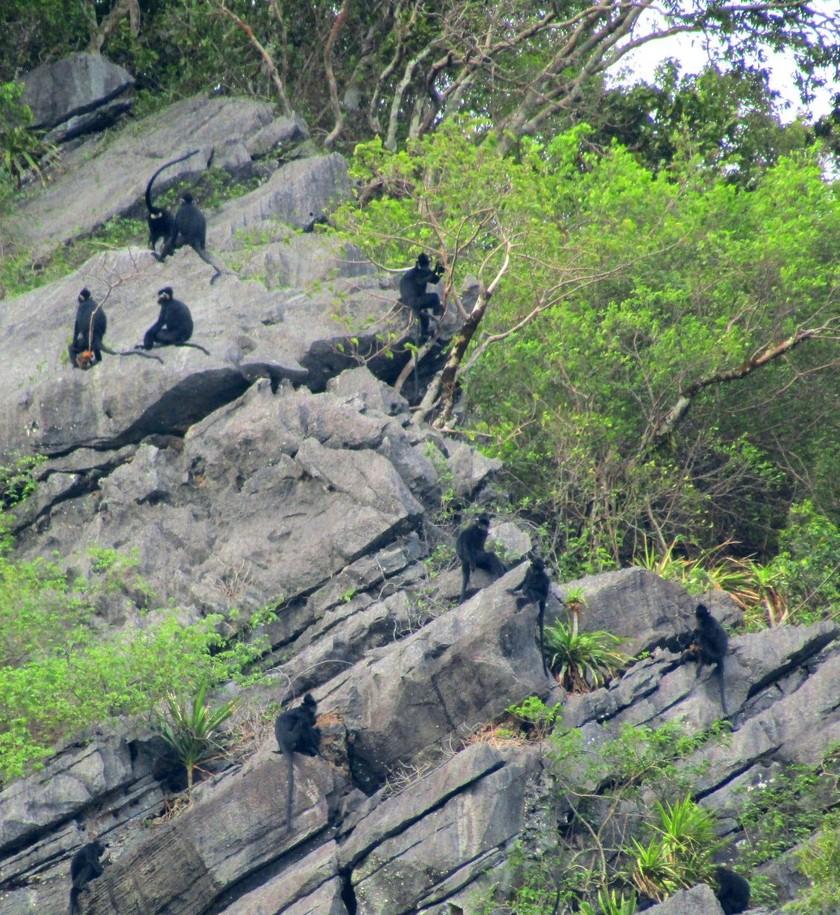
(819, 861)
(583, 660)
(17, 480)
(20, 147)
(680, 852)
(191, 728)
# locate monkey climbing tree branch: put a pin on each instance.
(761, 357)
(443, 390)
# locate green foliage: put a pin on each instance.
(786, 809)
(808, 565)
(635, 786)
(726, 118)
(582, 660)
(819, 861)
(17, 480)
(191, 728)
(610, 902)
(680, 852)
(534, 713)
(623, 288)
(20, 148)
(59, 673)
(20, 272)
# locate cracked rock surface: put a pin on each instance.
(279, 471)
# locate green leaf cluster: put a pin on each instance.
(625, 288)
(60, 672)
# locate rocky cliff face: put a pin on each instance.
(279, 471)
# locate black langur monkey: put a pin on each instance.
(161, 223)
(413, 292)
(190, 228)
(470, 549)
(733, 892)
(89, 328)
(84, 867)
(174, 325)
(296, 733)
(534, 590)
(709, 645)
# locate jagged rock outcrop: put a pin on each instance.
(101, 179)
(279, 471)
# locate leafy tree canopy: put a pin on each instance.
(656, 353)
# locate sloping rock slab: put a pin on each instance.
(296, 193)
(229, 833)
(100, 180)
(309, 885)
(73, 86)
(459, 671)
(459, 823)
(248, 331)
(643, 608)
(68, 784)
(254, 507)
(699, 900)
(662, 687)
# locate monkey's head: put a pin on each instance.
(85, 359)
(538, 563)
(84, 295)
(309, 702)
(423, 261)
(702, 613)
(187, 198)
(164, 295)
(483, 520)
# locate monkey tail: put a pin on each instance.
(130, 352)
(195, 346)
(719, 671)
(74, 900)
(291, 796)
(149, 204)
(541, 620)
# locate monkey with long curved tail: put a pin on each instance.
(296, 733)
(161, 221)
(709, 645)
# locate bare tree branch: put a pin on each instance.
(686, 397)
(337, 26)
(110, 23)
(270, 66)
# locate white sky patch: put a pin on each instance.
(694, 54)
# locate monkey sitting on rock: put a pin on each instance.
(470, 549)
(709, 645)
(296, 732)
(84, 867)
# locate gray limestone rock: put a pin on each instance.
(72, 92)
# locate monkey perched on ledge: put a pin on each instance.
(534, 590)
(709, 645)
(84, 867)
(296, 732)
(470, 549)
